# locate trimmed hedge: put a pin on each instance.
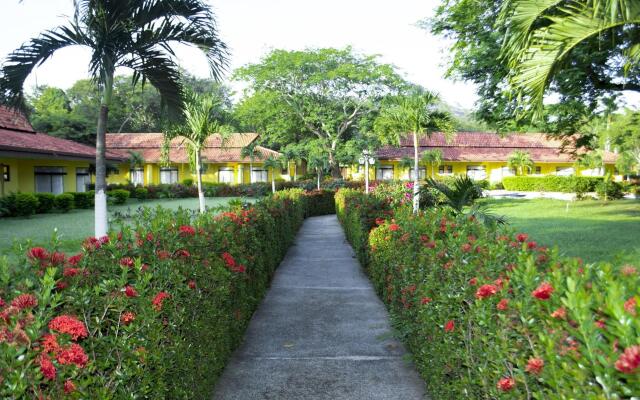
(320, 202)
(45, 202)
(489, 314)
(551, 183)
(83, 200)
(118, 196)
(153, 311)
(63, 202)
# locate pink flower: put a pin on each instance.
(503, 305)
(543, 292)
(24, 300)
(485, 291)
(534, 366)
(629, 361)
(127, 262)
(506, 384)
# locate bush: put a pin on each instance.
(609, 190)
(140, 193)
(45, 202)
(21, 204)
(83, 200)
(187, 182)
(552, 183)
(489, 314)
(63, 202)
(167, 299)
(320, 202)
(118, 196)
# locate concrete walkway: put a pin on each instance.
(321, 331)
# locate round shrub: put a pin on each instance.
(609, 190)
(45, 202)
(83, 200)
(63, 202)
(140, 193)
(24, 204)
(118, 196)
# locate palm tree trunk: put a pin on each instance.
(295, 171)
(318, 171)
(273, 180)
(101, 222)
(199, 179)
(416, 183)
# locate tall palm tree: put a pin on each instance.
(319, 164)
(292, 154)
(433, 158)
(199, 125)
(541, 34)
(406, 163)
(273, 164)
(521, 162)
(591, 160)
(121, 33)
(415, 114)
(251, 152)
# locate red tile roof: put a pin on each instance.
(485, 146)
(149, 146)
(18, 137)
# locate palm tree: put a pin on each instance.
(251, 152)
(415, 113)
(591, 160)
(521, 162)
(319, 164)
(292, 154)
(433, 158)
(541, 34)
(406, 163)
(121, 33)
(135, 159)
(199, 124)
(272, 164)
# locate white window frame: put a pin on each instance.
(172, 177)
(259, 174)
(477, 172)
(385, 173)
(225, 175)
(49, 179)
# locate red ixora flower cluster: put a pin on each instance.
(127, 317)
(506, 384)
(629, 360)
(534, 366)
(230, 262)
(69, 325)
(130, 291)
(24, 300)
(127, 262)
(449, 326)
(394, 227)
(159, 299)
(186, 230)
(485, 291)
(543, 292)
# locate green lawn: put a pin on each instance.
(77, 224)
(589, 229)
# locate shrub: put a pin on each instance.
(141, 193)
(118, 196)
(551, 183)
(320, 202)
(83, 200)
(45, 202)
(609, 190)
(167, 300)
(63, 202)
(22, 204)
(490, 314)
(187, 182)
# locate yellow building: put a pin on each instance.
(480, 155)
(36, 162)
(222, 162)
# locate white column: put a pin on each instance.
(240, 174)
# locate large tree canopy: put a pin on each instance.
(326, 94)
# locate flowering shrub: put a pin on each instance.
(489, 314)
(152, 311)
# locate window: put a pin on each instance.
(422, 173)
(6, 172)
(137, 176)
(384, 172)
(445, 170)
(225, 175)
(538, 170)
(477, 172)
(49, 179)
(168, 175)
(564, 171)
(259, 175)
(83, 179)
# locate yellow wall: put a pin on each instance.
(22, 176)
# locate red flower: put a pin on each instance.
(183, 253)
(127, 317)
(465, 248)
(69, 387)
(534, 366)
(239, 268)
(449, 326)
(629, 361)
(74, 260)
(506, 384)
(379, 221)
(149, 237)
(61, 285)
(532, 245)
(560, 313)
(600, 324)
(543, 292)
(503, 305)
(186, 230)
(47, 368)
(69, 325)
(485, 291)
(426, 300)
(192, 284)
(49, 343)
(130, 291)
(24, 300)
(430, 245)
(57, 258)
(228, 260)
(522, 237)
(157, 301)
(72, 354)
(473, 281)
(630, 306)
(394, 227)
(69, 272)
(2, 303)
(628, 270)
(127, 262)
(91, 243)
(38, 253)
(163, 254)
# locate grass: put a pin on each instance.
(592, 230)
(72, 227)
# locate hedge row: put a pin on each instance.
(152, 311)
(25, 204)
(490, 314)
(551, 183)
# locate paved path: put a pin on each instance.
(321, 331)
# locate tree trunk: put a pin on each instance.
(199, 179)
(273, 180)
(333, 163)
(101, 222)
(416, 170)
(318, 171)
(295, 171)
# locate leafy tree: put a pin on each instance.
(322, 94)
(135, 159)
(272, 164)
(121, 33)
(433, 158)
(623, 134)
(520, 161)
(415, 114)
(591, 160)
(406, 163)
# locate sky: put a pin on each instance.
(251, 28)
